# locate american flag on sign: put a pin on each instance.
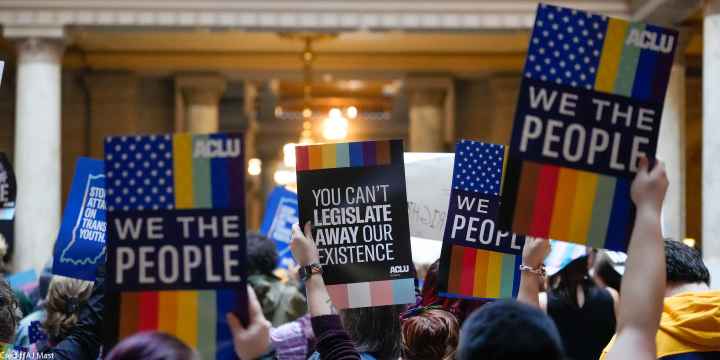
(478, 167)
(139, 172)
(36, 333)
(565, 46)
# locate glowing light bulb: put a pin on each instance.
(351, 112)
(254, 167)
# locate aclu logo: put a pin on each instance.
(399, 269)
(217, 148)
(650, 40)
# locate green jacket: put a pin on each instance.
(281, 303)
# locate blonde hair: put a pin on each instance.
(65, 295)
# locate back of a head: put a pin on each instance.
(375, 330)
(261, 253)
(65, 295)
(604, 269)
(684, 265)
(430, 335)
(507, 329)
(9, 312)
(151, 345)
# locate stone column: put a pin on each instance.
(671, 146)
(430, 113)
(201, 96)
(710, 141)
(37, 149)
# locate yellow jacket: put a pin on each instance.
(690, 323)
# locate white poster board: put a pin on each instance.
(428, 177)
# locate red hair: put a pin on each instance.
(430, 335)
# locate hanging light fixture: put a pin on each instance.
(335, 126)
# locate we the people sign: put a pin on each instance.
(176, 237)
(590, 105)
(354, 196)
(478, 260)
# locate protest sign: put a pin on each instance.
(428, 177)
(354, 195)
(8, 189)
(590, 105)
(478, 260)
(8, 193)
(176, 237)
(80, 245)
(281, 212)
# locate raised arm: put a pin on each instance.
(333, 342)
(643, 284)
(533, 255)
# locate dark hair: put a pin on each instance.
(9, 312)
(507, 329)
(604, 269)
(375, 330)
(683, 264)
(151, 345)
(564, 283)
(430, 335)
(261, 253)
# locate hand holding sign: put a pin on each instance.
(649, 187)
(302, 246)
(254, 340)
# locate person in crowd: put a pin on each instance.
(294, 340)
(429, 333)
(643, 284)
(376, 331)
(10, 313)
(506, 330)
(332, 341)
(281, 302)
(605, 271)
(83, 340)
(430, 296)
(690, 321)
(152, 345)
(65, 296)
(583, 312)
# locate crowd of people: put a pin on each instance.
(661, 307)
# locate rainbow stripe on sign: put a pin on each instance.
(476, 273)
(373, 293)
(342, 155)
(574, 205)
(627, 70)
(195, 317)
(593, 52)
(163, 168)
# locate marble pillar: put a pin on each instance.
(37, 150)
(711, 141)
(201, 98)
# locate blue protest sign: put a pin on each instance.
(281, 212)
(80, 245)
